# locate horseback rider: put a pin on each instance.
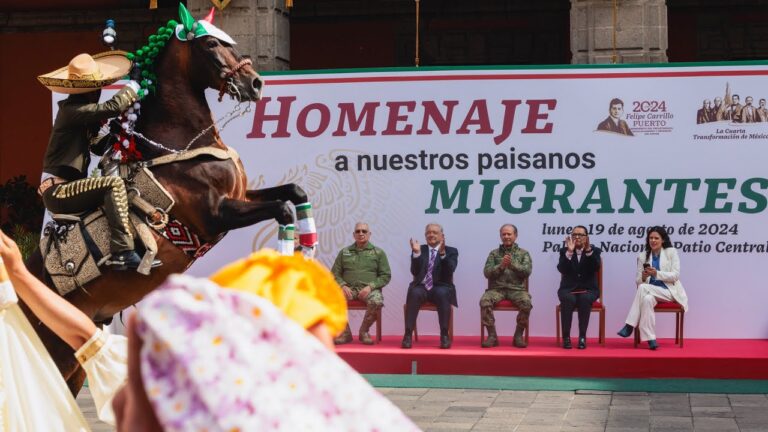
(65, 186)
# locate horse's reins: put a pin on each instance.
(227, 82)
(224, 120)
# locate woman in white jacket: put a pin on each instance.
(658, 278)
(30, 382)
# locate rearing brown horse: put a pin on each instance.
(211, 194)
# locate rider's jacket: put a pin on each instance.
(76, 125)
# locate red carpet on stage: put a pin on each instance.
(699, 358)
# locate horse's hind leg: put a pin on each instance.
(289, 192)
(235, 214)
(305, 223)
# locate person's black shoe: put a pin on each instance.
(406, 343)
(652, 344)
(626, 331)
(582, 343)
(567, 343)
(445, 342)
(124, 260)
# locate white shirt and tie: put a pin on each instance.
(433, 254)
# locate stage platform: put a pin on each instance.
(699, 358)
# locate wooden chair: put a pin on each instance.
(428, 306)
(671, 307)
(597, 306)
(360, 305)
(504, 306)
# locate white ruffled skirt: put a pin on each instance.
(33, 395)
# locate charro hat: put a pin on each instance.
(86, 73)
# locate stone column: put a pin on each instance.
(641, 31)
(260, 28)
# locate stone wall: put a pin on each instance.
(641, 31)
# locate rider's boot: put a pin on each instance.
(126, 260)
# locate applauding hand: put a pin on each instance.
(569, 243)
(415, 246)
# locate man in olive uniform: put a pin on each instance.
(362, 270)
(65, 186)
(506, 269)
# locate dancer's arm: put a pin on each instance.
(64, 319)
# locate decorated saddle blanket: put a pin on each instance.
(73, 247)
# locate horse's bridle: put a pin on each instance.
(227, 75)
(228, 79)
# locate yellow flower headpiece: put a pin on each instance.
(304, 290)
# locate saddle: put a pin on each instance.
(75, 246)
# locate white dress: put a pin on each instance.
(33, 395)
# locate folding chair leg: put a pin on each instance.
(682, 329)
(677, 328)
(601, 339)
(378, 326)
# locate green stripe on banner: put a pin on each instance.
(569, 384)
(516, 67)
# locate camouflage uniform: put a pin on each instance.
(507, 284)
(357, 268)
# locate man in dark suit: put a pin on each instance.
(578, 267)
(432, 267)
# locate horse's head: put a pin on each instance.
(218, 65)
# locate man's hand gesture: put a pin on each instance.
(363, 294)
(569, 243)
(441, 250)
(415, 246)
(506, 262)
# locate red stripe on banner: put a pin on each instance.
(414, 78)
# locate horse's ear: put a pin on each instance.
(209, 17)
(186, 18)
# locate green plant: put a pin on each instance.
(21, 209)
(27, 240)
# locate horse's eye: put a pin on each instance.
(212, 43)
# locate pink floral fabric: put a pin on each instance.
(215, 359)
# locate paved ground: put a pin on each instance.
(545, 411)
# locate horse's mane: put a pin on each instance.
(146, 56)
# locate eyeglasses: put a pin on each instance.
(361, 231)
(578, 235)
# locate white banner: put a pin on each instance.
(614, 149)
